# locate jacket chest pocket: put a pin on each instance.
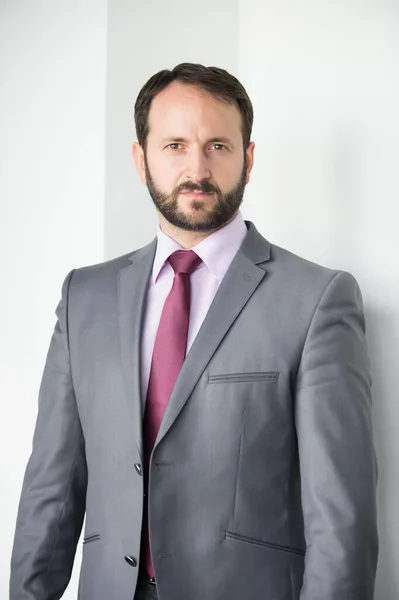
(268, 376)
(93, 537)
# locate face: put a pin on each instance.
(194, 166)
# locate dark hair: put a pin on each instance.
(214, 80)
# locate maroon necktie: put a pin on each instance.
(167, 359)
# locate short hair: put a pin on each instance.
(214, 80)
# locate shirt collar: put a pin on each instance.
(216, 251)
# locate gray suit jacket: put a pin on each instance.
(263, 475)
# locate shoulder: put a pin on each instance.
(100, 270)
(90, 282)
(301, 277)
(109, 269)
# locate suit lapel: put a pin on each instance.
(132, 293)
(240, 282)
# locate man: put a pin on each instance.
(205, 399)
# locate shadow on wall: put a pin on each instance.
(381, 339)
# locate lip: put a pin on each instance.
(196, 194)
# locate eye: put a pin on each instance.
(219, 146)
(173, 146)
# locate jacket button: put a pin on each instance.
(138, 468)
(131, 561)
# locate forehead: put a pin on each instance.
(181, 109)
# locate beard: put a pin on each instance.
(222, 211)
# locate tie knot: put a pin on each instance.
(184, 261)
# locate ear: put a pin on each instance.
(249, 156)
(138, 155)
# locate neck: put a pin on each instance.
(186, 239)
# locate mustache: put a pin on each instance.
(191, 186)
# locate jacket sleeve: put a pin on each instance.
(336, 451)
(52, 503)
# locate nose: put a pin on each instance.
(197, 165)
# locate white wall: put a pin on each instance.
(52, 124)
(324, 78)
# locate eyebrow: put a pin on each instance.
(223, 140)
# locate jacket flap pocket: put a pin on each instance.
(255, 542)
